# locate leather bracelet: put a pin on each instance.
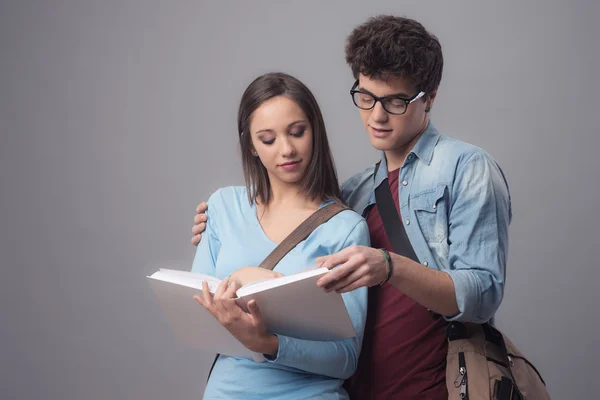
(388, 264)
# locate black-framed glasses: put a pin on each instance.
(393, 104)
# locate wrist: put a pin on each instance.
(388, 266)
(268, 344)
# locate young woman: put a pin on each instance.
(289, 174)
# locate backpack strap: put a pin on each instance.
(319, 217)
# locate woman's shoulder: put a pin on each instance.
(346, 222)
(349, 218)
(228, 198)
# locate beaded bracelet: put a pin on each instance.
(388, 264)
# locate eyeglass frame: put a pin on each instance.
(382, 99)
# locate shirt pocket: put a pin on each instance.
(431, 211)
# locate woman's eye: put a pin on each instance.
(298, 132)
(268, 142)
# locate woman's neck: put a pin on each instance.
(284, 195)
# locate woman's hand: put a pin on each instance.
(247, 327)
(246, 275)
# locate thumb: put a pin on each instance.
(254, 310)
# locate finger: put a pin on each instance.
(338, 258)
(200, 218)
(255, 311)
(230, 292)
(350, 278)
(198, 228)
(199, 300)
(222, 288)
(339, 273)
(207, 298)
(355, 285)
(321, 260)
(196, 239)
(202, 207)
(228, 299)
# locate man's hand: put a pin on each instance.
(247, 327)
(199, 223)
(246, 275)
(358, 266)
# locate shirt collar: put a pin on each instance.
(423, 150)
(426, 143)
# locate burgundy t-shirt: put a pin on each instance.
(404, 348)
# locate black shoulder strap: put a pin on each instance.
(391, 220)
(394, 228)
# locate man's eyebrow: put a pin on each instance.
(401, 94)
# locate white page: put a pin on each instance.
(185, 278)
(194, 325)
(293, 306)
(301, 309)
(276, 282)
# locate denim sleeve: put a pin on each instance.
(336, 359)
(479, 217)
(205, 260)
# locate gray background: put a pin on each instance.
(118, 117)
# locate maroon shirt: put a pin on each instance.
(404, 349)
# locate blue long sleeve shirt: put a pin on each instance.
(302, 369)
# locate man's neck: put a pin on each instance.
(395, 158)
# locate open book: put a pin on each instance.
(292, 306)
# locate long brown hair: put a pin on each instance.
(320, 180)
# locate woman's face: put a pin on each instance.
(282, 138)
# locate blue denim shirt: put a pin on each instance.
(455, 206)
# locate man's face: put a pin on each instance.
(389, 132)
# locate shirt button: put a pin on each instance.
(434, 206)
(404, 183)
(425, 263)
(410, 156)
(407, 222)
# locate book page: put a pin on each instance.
(266, 284)
(185, 278)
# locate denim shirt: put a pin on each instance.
(455, 207)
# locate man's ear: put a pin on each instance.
(431, 98)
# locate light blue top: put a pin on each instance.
(456, 210)
(302, 369)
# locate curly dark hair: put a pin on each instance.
(387, 46)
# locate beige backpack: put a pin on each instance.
(483, 364)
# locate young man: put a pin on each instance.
(453, 202)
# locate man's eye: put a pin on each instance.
(366, 99)
(396, 103)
